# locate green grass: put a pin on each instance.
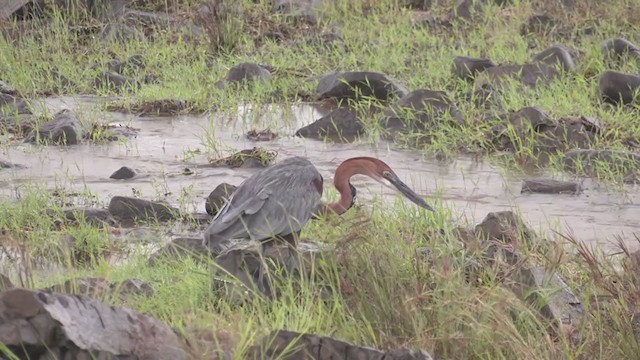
(380, 293)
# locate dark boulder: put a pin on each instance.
(218, 197)
(357, 84)
(39, 325)
(124, 173)
(556, 55)
(550, 186)
(245, 74)
(531, 75)
(128, 208)
(467, 68)
(339, 125)
(505, 227)
(419, 110)
(616, 48)
(618, 88)
(298, 346)
(63, 129)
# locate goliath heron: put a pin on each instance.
(276, 202)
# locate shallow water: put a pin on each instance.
(470, 188)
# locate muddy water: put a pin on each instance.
(165, 145)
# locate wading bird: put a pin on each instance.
(278, 201)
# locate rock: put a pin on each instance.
(505, 227)
(100, 288)
(113, 81)
(419, 110)
(248, 158)
(263, 135)
(550, 186)
(14, 105)
(539, 24)
(356, 84)
(339, 125)
(115, 66)
(466, 68)
(36, 323)
(118, 32)
(587, 161)
(218, 197)
(466, 9)
(245, 74)
(617, 48)
(615, 87)
(298, 346)
(127, 208)
(180, 247)
(5, 283)
(123, 173)
(304, 10)
(63, 129)
(556, 55)
(531, 75)
(90, 215)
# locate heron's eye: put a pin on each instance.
(386, 174)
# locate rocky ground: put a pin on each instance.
(546, 85)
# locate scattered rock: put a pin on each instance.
(618, 48)
(419, 110)
(505, 227)
(539, 24)
(298, 346)
(218, 197)
(124, 173)
(556, 55)
(180, 247)
(245, 74)
(550, 186)
(587, 161)
(531, 75)
(248, 158)
(63, 129)
(615, 87)
(466, 67)
(114, 81)
(5, 283)
(340, 124)
(90, 215)
(100, 288)
(263, 135)
(128, 208)
(356, 84)
(41, 323)
(303, 10)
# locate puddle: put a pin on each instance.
(470, 188)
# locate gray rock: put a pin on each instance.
(556, 55)
(128, 208)
(503, 226)
(466, 67)
(180, 247)
(123, 173)
(218, 197)
(298, 346)
(586, 162)
(419, 110)
(339, 125)
(531, 75)
(245, 74)
(615, 87)
(617, 48)
(64, 129)
(33, 323)
(356, 84)
(550, 186)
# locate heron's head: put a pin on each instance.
(381, 172)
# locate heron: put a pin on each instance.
(276, 202)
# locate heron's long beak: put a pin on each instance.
(405, 190)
